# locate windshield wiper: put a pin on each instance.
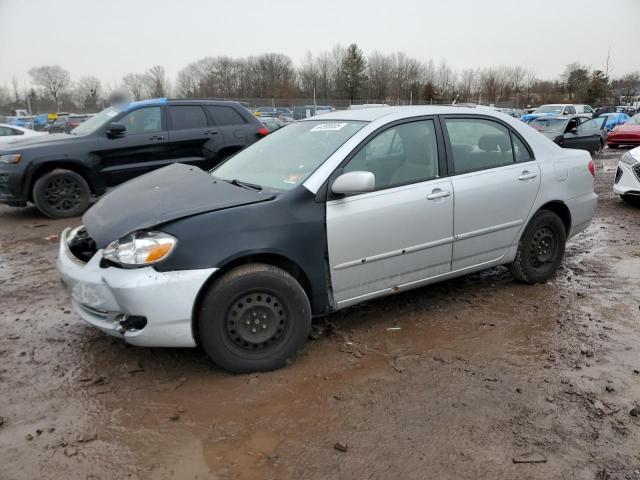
(247, 185)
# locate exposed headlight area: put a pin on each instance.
(10, 158)
(629, 159)
(140, 248)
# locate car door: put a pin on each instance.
(401, 233)
(193, 140)
(143, 147)
(495, 181)
(235, 130)
(586, 136)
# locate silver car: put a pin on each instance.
(320, 215)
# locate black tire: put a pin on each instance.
(631, 200)
(254, 319)
(541, 248)
(61, 193)
(610, 145)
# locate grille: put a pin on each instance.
(618, 175)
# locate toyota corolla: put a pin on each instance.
(320, 215)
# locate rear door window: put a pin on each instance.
(478, 144)
(185, 117)
(225, 115)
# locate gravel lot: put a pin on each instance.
(479, 377)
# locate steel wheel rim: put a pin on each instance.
(542, 250)
(62, 194)
(255, 321)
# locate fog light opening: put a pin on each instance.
(131, 324)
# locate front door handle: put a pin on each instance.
(210, 133)
(157, 137)
(527, 175)
(438, 193)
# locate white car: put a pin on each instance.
(627, 180)
(322, 214)
(11, 133)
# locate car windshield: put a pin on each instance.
(95, 122)
(635, 120)
(549, 124)
(285, 158)
(549, 109)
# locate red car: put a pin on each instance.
(626, 134)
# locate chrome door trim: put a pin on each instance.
(394, 253)
(493, 228)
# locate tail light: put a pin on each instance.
(262, 131)
(592, 168)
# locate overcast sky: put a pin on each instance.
(113, 37)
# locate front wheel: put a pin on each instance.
(541, 248)
(61, 193)
(254, 318)
(631, 200)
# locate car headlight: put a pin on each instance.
(629, 159)
(140, 248)
(10, 158)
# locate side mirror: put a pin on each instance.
(354, 182)
(116, 129)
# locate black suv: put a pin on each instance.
(60, 172)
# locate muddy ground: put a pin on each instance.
(458, 380)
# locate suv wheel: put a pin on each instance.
(254, 318)
(541, 248)
(61, 193)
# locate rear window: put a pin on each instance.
(184, 117)
(225, 115)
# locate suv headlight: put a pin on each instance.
(629, 159)
(10, 158)
(140, 248)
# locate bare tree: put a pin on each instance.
(53, 79)
(89, 89)
(135, 83)
(14, 88)
(155, 82)
(309, 74)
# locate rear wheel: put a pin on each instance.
(61, 193)
(631, 199)
(254, 318)
(541, 248)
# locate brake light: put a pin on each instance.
(592, 168)
(262, 131)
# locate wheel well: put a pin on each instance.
(276, 260)
(50, 166)
(560, 209)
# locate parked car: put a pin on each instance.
(625, 134)
(11, 133)
(265, 112)
(64, 124)
(558, 109)
(615, 119)
(627, 179)
(326, 213)
(60, 172)
(573, 131)
(272, 123)
(602, 110)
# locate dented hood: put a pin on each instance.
(158, 197)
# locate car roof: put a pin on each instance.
(371, 114)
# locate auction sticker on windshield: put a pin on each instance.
(328, 127)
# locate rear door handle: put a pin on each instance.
(157, 137)
(438, 193)
(527, 175)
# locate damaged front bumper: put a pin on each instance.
(141, 305)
